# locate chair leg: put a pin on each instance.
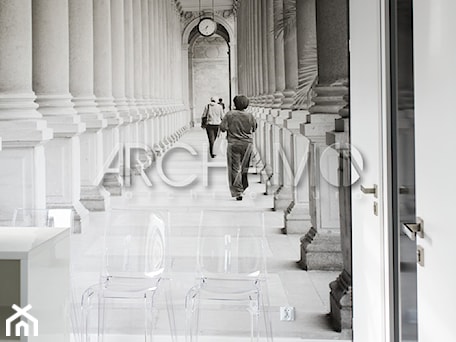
(267, 319)
(254, 317)
(85, 314)
(148, 316)
(101, 317)
(170, 310)
(192, 315)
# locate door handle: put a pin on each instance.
(412, 229)
(372, 190)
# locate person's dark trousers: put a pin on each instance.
(238, 158)
(212, 132)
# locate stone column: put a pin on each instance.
(130, 66)
(250, 54)
(241, 53)
(264, 52)
(282, 136)
(160, 47)
(118, 60)
(298, 215)
(138, 63)
(139, 77)
(112, 181)
(103, 61)
(22, 129)
(81, 87)
(332, 100)
(103, 82)
(321, 246)
(341, 288)
(291, 56)
(153, 72)
(258, 48)
(51, 84)
(145, 39)
(307, 51)
(279, 61)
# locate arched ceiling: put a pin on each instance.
(193, 5)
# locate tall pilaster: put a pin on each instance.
(22, 129)
(81, 87)
(51, 84)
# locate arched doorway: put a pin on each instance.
(210, 70)
(211, 63)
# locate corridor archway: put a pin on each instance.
(209, 64)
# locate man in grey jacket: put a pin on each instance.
(213, 113)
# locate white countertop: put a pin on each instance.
(18, 242)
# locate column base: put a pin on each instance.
(113, 183)
(297, 219)
(278, 97)
(341, 304)
(80, 214)
(95, 198)
(271, 189)
(283, 198)
(321, 251)
(288, 99)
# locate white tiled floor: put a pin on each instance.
(288, 285)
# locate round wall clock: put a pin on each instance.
(207, 27)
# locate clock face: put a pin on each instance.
(207, 27)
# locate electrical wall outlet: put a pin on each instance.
(287, 313)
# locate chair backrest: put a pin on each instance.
(135, 243)
(57, 218)
(231, 245)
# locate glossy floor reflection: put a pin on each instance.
(288, 285)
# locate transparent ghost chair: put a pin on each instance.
(57, 218)
(231, 270)
(134, 269)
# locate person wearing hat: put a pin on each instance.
(210, 120)
(239, 126)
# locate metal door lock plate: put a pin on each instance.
(420, 255)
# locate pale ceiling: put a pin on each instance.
(193, 5)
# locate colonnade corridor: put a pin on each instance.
(288, 285)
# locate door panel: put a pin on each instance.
(435, 145)
(368, 236)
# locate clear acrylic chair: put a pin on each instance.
(134, 268)
(231, 268)
(57, 218)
